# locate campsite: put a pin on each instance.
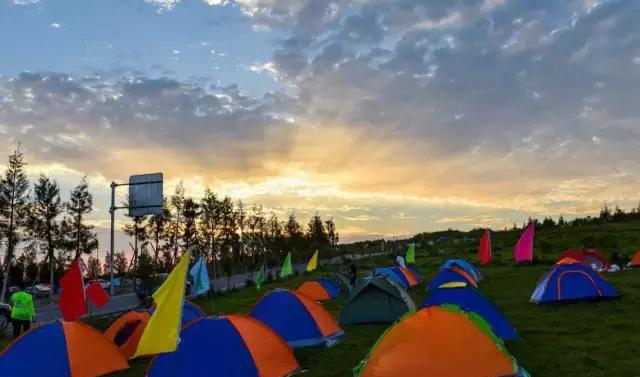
(576, 339)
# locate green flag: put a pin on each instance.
(411, 254)
(286, 267)
(260, 278)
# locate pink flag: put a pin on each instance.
(523, 251)
(485, 248)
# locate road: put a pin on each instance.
(121, 303)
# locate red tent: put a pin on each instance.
(587, 256)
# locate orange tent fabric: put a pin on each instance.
(635, 261)
(410, 276)
(464, 273)
(435, 341)
(125, 332)
(90, 353)
(326, 324)
(271, 354)
(314, 291)
(567, 260)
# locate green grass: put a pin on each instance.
(574, 340)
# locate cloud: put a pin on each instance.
(25, 2)
(163, 5)
(56, 25)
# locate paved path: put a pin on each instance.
(121, 303)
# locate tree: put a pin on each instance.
(316, 232)
(13, 208)
(81, 235)
(177, 205)
(605, 214)
(190, 214)
(94, 269)
(332, 233)
(561, 221)
(46, 207)
(156, 228)
(208, 226)
(120, 263)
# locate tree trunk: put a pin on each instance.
(51, 276)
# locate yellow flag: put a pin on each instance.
(162, 332)
(313, 262)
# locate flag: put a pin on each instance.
(523, 251)
(97, 295)
(260, 278)
(200, 275)
(313, 262)
(411, 254)
(72, 301)
(484, 250)
(161, 333)
(286, 267)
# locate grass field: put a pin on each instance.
(574, 340)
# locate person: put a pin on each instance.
(353, 273)
(22, 311)
(400, 261)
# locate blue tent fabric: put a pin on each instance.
(332, 289)
(190, 312)
(17, 360)
(471, 300)
(286, 315)
(205, 344)
(471, 269)
(446, 276)
(393, 273)
(572, 282)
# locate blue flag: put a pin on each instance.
(200, 276)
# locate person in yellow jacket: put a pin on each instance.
(22, 311)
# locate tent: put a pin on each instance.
(340, 279)
(319, 290)
(416, 272)
(450, 276)
(466, 266)
(376, 300)
(61, 349)
(126, 330)
(439, 341)
(635, 260)
(567, 260)
(410, 276)
(190, 312)
(589, 257)
(234, 345)
(298, 319)
(470, 300)
(572, 282)
(393, 273)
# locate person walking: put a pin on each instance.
(22, 311)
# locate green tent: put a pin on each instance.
(376, 300)
(340, 280)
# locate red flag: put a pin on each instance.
(485, 248)
(71, 302)
(97, 295)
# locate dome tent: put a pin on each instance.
(393, 273)
(450, 342)
(319, 290)
(449, 276)
(298, 319)
(589, 257)
(464, 265)
(572, 282)
(61, 349)
(471, 300)
(190, 312)
(126, 330)
(234, 345)
(375, 300)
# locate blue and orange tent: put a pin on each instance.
(299, 320)
(190, 312)
(451, 275)
(470, 300)
(393, 273)
(234, 345)
(61, 349)
(416, 272)
(125, 331)
(466, 266)
(439, 341)
(572, 282)
(319, 290)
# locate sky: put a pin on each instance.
(391, 116)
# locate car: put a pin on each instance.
(39, 290)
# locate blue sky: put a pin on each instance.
(392, 116)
